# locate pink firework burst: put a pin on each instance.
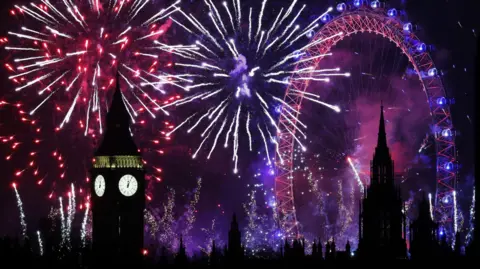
(34, 155)
(67, 53)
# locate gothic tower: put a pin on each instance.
(382, 222)
(118, 190)
(235, 250)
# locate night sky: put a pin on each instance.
(450, 26)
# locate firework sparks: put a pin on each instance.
(70, 212)
(243, 72)
(430, 205)
(41, 156)
(23, 222)
(83, 232)
(455, 214)
(40, 243)
(211, 235)
(260, 233)
(191, 212)
(72, 49)
(168, 237)
(357, 176)
(152, 223)
(471, 229)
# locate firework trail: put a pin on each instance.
(70, 51)
(407, 210)
(191, 212)
(260, 233)
(353, 206)
(152, 223)
(357, 176)
(430, 205)
(83, 232)
(238, 70)
(211, 234)
(471, 228)
(320, 202)
(40, 243)
(52, 216)
(458, 220)
(163, 224)
(23, 222)
(168, 237)
(345, 218)
(455, 215)
(64, 230)
(71, 210)
(251, 211)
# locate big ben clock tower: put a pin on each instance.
(117, 191)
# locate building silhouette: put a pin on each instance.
(295, 252)
(424, 242)
(214, 255)
(181, 258)
(118, 191)
(381, 219)
(235, 252)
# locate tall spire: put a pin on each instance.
(117, 139)
(234, 223)
(381, 157)
(117, 114)
(382, 135)
(118, 80)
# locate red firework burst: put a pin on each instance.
(69, 52)
(52, 161)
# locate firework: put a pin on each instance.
(40, 243)
(261, 234)
(83, 232)
(357, 176)
(151, 223)
(70, 212)
(165, 227)
(43, 158)
(342, 151)
(239, 69)
(70, 50)
(211, 234)
(320, 204)
(168, 237)
(345, 215)
(190, 214)
(64, 230)
(251, 211)
(430, 205)
(35, 153)
(455, 214)
(23, 222)
(471, 228)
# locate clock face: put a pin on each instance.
(99, 185)
(128, 185)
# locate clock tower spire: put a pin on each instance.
(118, 190)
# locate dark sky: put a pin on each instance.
(449, 26)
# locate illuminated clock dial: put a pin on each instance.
(128, 185)
(99, 185)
